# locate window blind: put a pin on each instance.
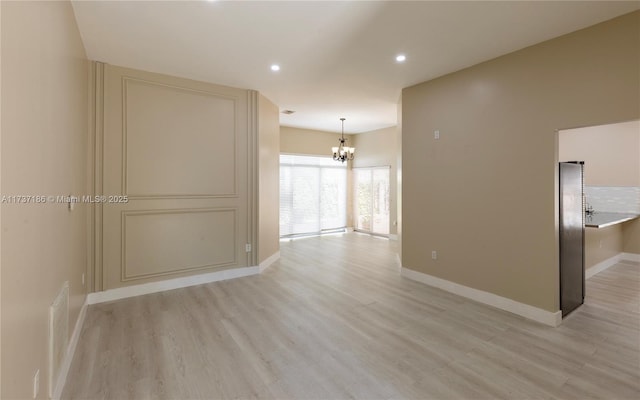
(371, 199)
(313, 195)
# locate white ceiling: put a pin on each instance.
(337, 58)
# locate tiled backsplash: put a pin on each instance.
(623, 199)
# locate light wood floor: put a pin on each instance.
(334, 320)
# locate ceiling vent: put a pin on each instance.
(288, 112)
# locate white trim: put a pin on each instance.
(602, 265)
(630, 257)
(270, 260)
(393, 236)
(349, 229)
(137, 290)
(170, 284)
(609, 262)
(71, 350)
(503, 303)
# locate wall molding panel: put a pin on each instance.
(219, 227)
(96, 146)
(181, 151)
(142, 145)
(252, 175)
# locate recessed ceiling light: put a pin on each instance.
(275, 67)
(401, 58)
(288, 112)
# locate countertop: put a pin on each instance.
(603, 219)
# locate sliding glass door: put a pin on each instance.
(371, 200)
(313, 195)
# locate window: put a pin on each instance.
(371, 200)
(313, 195)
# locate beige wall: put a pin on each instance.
(611, 153)
(0, 207)
(44, 148)
(399, 177)
(269, 179)
(602, 244)
(375, 149)
(631, 236)
(308, 141)
(485, 194)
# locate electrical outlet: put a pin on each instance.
(434, 255)
(436, 135)
(247, 248)
(36, 384)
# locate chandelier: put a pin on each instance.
(343, 153)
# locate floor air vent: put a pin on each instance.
(58, 334)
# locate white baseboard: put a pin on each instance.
(71, 350)
(609, 262)
(601, 266)
(393, 236)
(503, 303)
(631, 257)
(270, 260)
(170, 284)
(349, 229)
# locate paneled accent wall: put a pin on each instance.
(268, 179)
(172, 164)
